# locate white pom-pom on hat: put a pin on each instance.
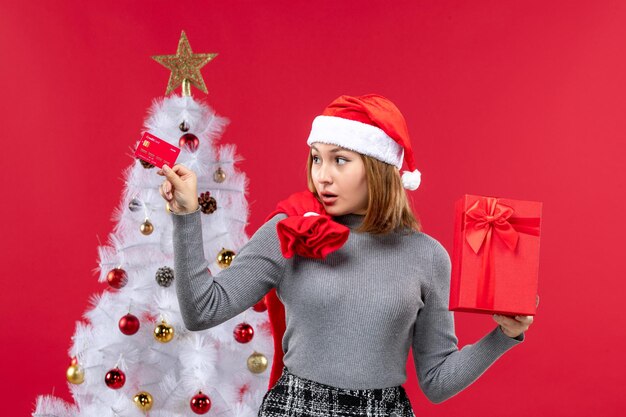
(411, 180)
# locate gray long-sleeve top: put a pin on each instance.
(351, 318)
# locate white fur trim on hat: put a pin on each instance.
(356, 136)
(411, 180)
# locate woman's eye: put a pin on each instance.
(315, 159)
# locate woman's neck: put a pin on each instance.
(351, 219)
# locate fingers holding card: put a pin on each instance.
(180, 188)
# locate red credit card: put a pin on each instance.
(156, 151)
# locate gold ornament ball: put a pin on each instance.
(257, 362)
(164, 332)
(143, 400)
(146, 227)
(75, 374)
(219, 175)
(225, 257)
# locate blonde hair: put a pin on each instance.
(388, 207)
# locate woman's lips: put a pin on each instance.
(328, 200)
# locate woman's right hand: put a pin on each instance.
(180, 188)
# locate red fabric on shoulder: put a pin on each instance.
(310, 232)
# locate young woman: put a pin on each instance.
(355, 302)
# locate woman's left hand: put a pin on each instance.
(513, 326)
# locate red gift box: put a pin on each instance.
(495, 257)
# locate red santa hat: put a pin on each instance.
(372, 125)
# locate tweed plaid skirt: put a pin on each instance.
(293, 396)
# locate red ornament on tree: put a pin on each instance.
(260, 306)
(115, 378)
(129, 324)
(117, 278)
(190, 141)
(200, 403)
(243, 333)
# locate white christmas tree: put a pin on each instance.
(132, 355)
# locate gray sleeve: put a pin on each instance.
(207, 301)
(442, 369)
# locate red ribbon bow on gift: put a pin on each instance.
(482, 222)
(482, 219)
(308, 231)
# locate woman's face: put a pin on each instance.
(339, 171)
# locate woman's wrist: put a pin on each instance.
(183, 211)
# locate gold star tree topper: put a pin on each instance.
(185, 67)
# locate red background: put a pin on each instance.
(523, 100)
